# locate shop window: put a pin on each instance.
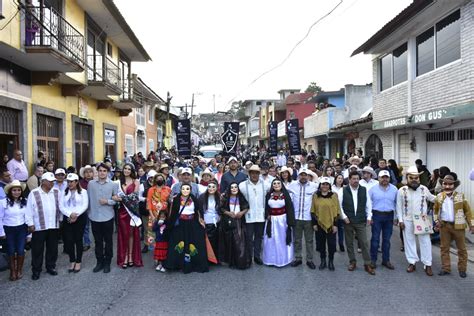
(48, 137)
(83, 144)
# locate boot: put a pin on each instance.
(12, 268)
(323, 265)
(19, 266)
(331, 265)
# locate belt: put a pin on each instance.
(185, 217)
(382, 213)
(445, 222)
(277, 211)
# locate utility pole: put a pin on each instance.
(192, 106)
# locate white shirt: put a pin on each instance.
(49, 209)
(447, 209)
(255, 195)
(78, 205)
(268, 179)
(202, 188)
(368, 184)
(210, 215)
(61, 187)
(11, 215)
(302, 196)
(188, 209)
(336, 189)
(368, 205)
(416, 202)
(234, 208)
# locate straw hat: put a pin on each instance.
(254, 168)
(14, 184)
(208, 172)
(83, 169)
(370, 170)
(354, 160)
(414, 171)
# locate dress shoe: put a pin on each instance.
(331, 265)
(402, 249)
(462, 274)
(411, 268)
(341, 248)
(52, 272)
(98, 267)
(323, 264)
(310, 265)
(85, 248)
(296, 263)
(145, 249)
(35, 276)
(369, 270)
(443, 272)
(107, 268)
(388, 265)
(352, 266)
(258, 261)
(373, 265)
(428, 271)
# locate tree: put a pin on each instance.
(313, 87)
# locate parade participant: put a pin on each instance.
(368, 176)
(280, 222)
(128, 237)
(60, 183)
(49, 166)
(255, 190)
(187, 244)
(146, 228)
(383, 166)
(73, 206)
(290, 163)
(329, 172)
(13, 226)
(186, 177)
(5, 178)
(425, 174)
(233, 175)
(210, 202)
(443, 171)
(17, 167)
(313, 177)
(247, 166)
(157, 200)
(412, 204)
(233, 249)
(220, 172)
(285, 176)
(161, 241)
(165, 170)
(384, 200)
(397, 171)
(35, 180)
(272, 171)
(302, 192)
(42, 218)
(325, 211)
(264, 173)
(140, 174)
(206, 177)
(281, 159)
(337, 187)
(86, 174)
(356, 211)
(452, 215)
(102, 198)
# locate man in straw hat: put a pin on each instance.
(412, 203)
(452, 215)
(42, 218)
(368, 176)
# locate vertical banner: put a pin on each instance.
(273, 142)
(230, 136)
(292, 130)
(183, 137)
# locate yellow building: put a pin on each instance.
(65, 71)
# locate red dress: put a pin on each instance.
(123, 236)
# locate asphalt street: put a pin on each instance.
(258, 290)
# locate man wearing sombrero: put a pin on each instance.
(452, 216)
(412, 205)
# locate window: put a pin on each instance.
(441, 136)
(129, 144)
(434, 52)
(124, 71)
(95, 58)
(151, 114)
(140, 116)
(83, 142)
(49, 136)
(109, 49)
(393, 68)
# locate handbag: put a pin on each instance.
(423, 224)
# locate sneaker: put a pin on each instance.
(162, 269)
(359, 250)
(159, 267)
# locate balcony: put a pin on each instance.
(103, 78)
(132, 94)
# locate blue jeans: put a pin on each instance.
(381, 224)
(87, 238)
(16, 239)
(340, 232)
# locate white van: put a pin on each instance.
(208, 152)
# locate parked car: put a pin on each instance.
(209, 152)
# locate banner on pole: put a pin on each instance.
(292, 130)
(230, 136)
(183, 137)
(273, 141)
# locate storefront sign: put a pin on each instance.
(109, 136)
(83, 108)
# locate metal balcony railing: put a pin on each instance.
(97, 72)
(45, 27)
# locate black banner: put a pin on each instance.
(230, 136)
(183, 137)
(292, 131)
(273, 141)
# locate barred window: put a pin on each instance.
(441, 136)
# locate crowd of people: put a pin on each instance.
(194, 213)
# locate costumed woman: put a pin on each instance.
(233, 250)
(210, 202)
(187, 245)
(128, 237)
(280, 220)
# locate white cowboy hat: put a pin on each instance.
(14, 184)
(353, 158)
(207, 171)
(254, 168)
(369, 170)
(413, 170)
(83, 169)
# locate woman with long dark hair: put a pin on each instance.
(392, 164)
(187, 245)
(128, 237)
(280, 220)
(73, 205)
(233, 249)
(337, 187)
(286, 176)
(210, 201)
(13, 226)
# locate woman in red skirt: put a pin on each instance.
(161, 240)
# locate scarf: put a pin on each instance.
(72, 199)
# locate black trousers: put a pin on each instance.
(254, 238)
(73, 233)
(41, 238)
(103, 232)
(324, 237)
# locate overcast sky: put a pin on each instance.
(213, 47)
